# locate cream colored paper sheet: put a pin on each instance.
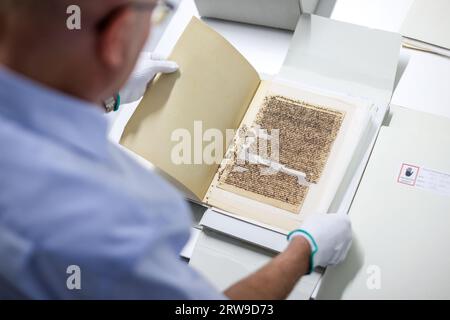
(215, 85)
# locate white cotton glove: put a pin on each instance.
(330, 238)
(147, 67)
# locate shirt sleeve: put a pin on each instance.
(157, 270)
(138, 255)
(161, 274)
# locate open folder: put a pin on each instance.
(213, 108)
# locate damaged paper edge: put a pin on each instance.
(273, 167)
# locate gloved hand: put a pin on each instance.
(330, 238)
(147, 67)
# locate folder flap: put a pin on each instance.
(343, 57)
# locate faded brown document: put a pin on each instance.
(306, 135)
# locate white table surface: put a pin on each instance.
(424, 81)
(423, 85)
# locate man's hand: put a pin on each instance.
(147, 67)
(330, 238)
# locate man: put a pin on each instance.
(72, 201)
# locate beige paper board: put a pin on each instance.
(214, 84)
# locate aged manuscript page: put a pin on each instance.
(317, 136)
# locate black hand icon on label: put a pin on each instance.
(409, 172)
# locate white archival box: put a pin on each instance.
(339, 59)
(283, 14)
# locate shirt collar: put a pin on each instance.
(51, 113)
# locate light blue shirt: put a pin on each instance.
(70, 197)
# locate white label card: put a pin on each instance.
(424, 178)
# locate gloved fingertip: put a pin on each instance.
(168, 67)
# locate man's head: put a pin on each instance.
(91, 63)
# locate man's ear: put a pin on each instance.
(114, 39)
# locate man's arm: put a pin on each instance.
(323, 240)
(275, 280)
